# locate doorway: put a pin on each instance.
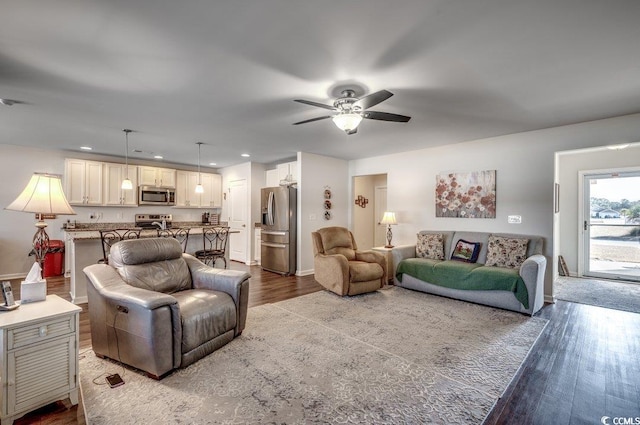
(611, 224)
(238, 220)
(371, 193)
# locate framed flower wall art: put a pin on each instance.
(466, 195)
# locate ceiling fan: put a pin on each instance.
(351, 110)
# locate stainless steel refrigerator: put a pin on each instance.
(278, 244)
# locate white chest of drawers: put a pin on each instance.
(39, 350)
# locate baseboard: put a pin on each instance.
(304, 272)
(13, 276)
(549, 299)
(80, 300)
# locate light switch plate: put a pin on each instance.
(514, 219)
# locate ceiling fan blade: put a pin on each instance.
(385, 116)
(312, 120)
(319, 105)
(373, 99)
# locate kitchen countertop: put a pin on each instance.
(84, 231)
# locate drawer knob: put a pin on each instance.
(42, 331)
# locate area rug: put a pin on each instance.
(601, 293)
(394, 356)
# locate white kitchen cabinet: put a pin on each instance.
(271, 178)
(113, 192)
(186, 196)
(154, 176)
(39, 350)
(83, 182)
(212, 196)
(286, 169)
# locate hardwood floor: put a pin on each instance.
(585, 365)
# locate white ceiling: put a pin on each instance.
(225, 72)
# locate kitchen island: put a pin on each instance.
(84, 247)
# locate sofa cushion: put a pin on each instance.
(337, 240)
(155, 264)
(506, 252)
(205, 315)
(360, 271)
(466, 251)
(430, 246)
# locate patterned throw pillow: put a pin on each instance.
(506, 252)
(430, 246)
(466, 251)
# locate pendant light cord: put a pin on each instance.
(126, 152)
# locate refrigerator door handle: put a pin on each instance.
(269, 232)
(274, 245)
(270, 209)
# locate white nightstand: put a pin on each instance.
(39, 346)
(388, 255)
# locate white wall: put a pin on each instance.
(569, 164)
(17, 164)
(317, 173)
(525, 177)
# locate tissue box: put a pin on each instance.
(33, 291)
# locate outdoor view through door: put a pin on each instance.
(612, 225)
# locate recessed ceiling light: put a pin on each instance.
(157, 156)
(86, 148)
(246, 155)
(618, 147)
(212, 163)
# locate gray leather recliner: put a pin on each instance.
(156, 309)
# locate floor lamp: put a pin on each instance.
(42, 196)
(389, 219)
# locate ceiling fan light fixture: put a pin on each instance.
(347, 121)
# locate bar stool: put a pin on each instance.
(214, 240)
(109, 237)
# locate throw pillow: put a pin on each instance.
(506, 252)
(466, 251)
(430, 246)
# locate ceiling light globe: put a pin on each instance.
(347, 122)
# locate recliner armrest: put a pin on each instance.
(109, 284)
(332, 272)
(373, 257)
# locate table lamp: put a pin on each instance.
(43, 195)
(389, 218)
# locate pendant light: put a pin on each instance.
(199, 188)
(126, 183)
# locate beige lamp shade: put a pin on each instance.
(389, 218)
(43, 195)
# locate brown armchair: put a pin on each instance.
(341, 268)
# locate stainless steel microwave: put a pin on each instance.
(151, 195)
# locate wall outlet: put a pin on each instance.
(312, 217)
(514, 219)
(95, 215)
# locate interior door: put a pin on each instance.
(380, 206)
(238, 217)
(611, 225)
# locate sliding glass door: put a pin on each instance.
(612, 225)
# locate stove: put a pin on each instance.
(146, 221)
